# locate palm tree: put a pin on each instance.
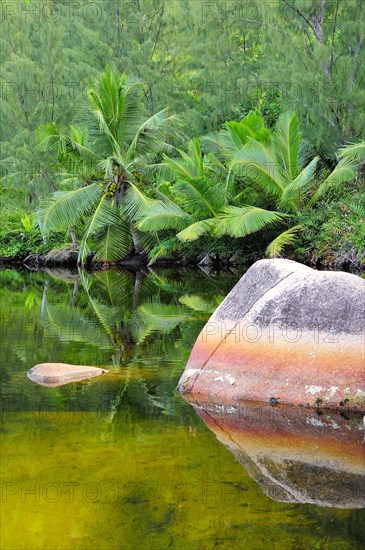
(274, 165)
(276, 168)
(246, 170)
(100, 166)
(193, 206)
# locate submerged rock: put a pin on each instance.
(59, 374)
(285, 333)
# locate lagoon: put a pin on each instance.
(123, 461)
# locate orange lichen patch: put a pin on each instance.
(300, 371)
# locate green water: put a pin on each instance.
(123, 462)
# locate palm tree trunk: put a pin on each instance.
(75, 243)
(136, 243)
(75, 291)
(137, 289)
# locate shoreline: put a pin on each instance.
(35, 262)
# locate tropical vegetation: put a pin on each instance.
(98, 161)
(255, 168)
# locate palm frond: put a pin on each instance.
(66, 208)
(355, 151)
(195, 154)
(292, 195)
(183, 168)
(104, 215)
(220, 144)
(286, 238)
(50, 138)
(197, 229)
(226, 143)
(136, 203)
(239, 222)
(256, 162)
(150, 137)
(344, 171)
(114, 242)
(164, 249)
(147, 240)
(201, 196)
(162, 215)
(286, 143)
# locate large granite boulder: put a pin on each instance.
(285, 334)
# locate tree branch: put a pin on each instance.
(354, 66)
(300, 14)
(333, 35)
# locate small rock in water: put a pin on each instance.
(59, 374)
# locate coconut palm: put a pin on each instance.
(193, 206)
(99, 162)
(227, 191)
(277, 169)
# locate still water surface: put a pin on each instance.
(122, 461)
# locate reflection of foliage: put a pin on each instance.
(145, 321)
(70, 323)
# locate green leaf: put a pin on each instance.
(164, 249)
(196, 155)
(105, 214)
(114, 243)
(201, 196)
(65, 209)
(239, 222)
(286, 142)
(197, 229)
(344, 171)
(184, 168)
(355, 151)
(284, 239)
(136, 203)
(256, 162)
(292, 195)
(162, 215)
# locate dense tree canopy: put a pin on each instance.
(207, 62)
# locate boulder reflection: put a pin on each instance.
(295, 454)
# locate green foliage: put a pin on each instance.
(19, 230)
(209, 62)
(16, 240)
(354, 151)
(208, 193)
(218, 66)
(334, 230)
(103, 159)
